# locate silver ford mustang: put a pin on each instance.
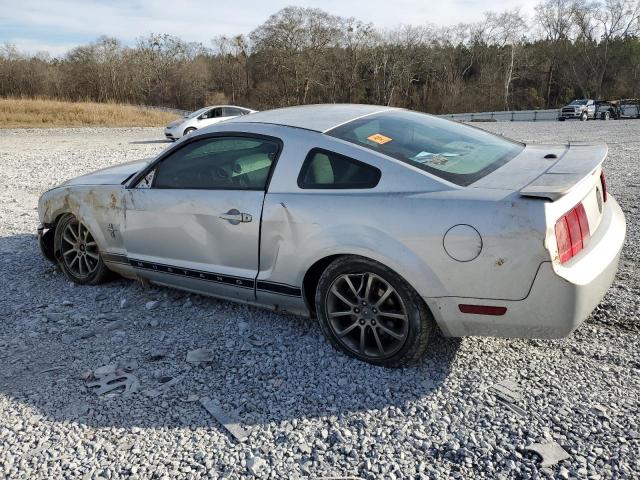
(380, 222)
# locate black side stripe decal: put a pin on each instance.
(279, 288)
(197, 274)
(241, 282)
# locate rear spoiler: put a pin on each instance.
(579, 161)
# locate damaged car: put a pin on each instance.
(382, 223)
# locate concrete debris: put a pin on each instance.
(551, 453)
(151, 305)
(232, 425)
(126, 382)
(200, 355)
(156, 392)
(514, 408)
(156, 355)
(256, 465)
(124, 303)
(507, 390)
(192, 398)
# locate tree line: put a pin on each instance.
(568, 49)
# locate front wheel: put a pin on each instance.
(77, 253)
(189, 130)
(584, 117)
(371, 313)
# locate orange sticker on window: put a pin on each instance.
(379, 138)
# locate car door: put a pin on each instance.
(193, 221)
(214, 115)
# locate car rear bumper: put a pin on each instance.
(560, 298)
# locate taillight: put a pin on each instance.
(603, 181)
(572, 231)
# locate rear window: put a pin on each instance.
(458, 153)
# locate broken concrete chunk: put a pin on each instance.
(200, 355)
(514, 408)
(551, 453)
(507, 390)
(126, 382)
(231, 424)
(256, 465)
(151, 305)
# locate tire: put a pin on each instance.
(353, 319)
(584, 117)
(188, 131)
(607, 116)
(77, 253)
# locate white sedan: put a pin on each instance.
(203, 118)
(381, 223)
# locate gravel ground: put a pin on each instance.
(309, 411)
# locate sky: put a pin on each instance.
(56, 26)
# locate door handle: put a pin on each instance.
(234, 217)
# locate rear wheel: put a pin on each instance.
(78, 254)
(371, 313)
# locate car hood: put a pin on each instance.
(177, 122)
(111, 175)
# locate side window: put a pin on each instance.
(213, 113)
(219, 163)
(232, 112)
(325, 169)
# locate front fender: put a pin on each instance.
(99, 207)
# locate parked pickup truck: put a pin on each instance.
(583, 109)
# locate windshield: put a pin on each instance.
(578, 102)
(197, 112)
(452, 151)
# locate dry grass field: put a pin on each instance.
(42, 113)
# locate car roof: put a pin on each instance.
(319, 118)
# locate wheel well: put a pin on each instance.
(311, 278)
